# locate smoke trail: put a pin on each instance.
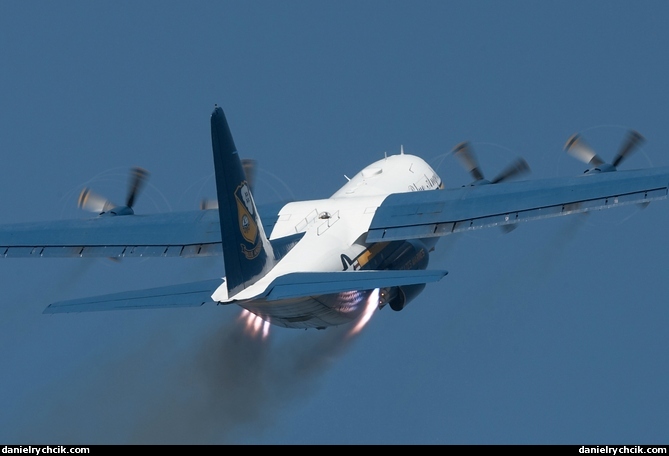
(209, 394)
(234, 383)
(225, 387)
(70, 278)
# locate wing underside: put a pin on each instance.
(194, 233)
(174, 234)
(419, 215)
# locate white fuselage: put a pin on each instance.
(337, 225)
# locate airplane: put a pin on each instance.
(322, 263)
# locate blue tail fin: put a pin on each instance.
(247, 253)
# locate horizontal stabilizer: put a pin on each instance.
(301, 284)
(192, 294)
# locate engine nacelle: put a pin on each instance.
(409, 255)
(399, 297)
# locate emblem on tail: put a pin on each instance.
(248, 226)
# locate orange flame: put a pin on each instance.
(370, 307)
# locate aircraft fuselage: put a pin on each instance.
(334, 240)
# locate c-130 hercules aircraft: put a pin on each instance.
(321, 263)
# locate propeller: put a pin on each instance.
(465, 154)
(250, 167)
(632, 142)
(93, 202)
(139, 177)
(516, 168)
(207, 204)
(579, 149)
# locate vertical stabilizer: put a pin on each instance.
(247, 253)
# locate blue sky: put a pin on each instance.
(555, 333)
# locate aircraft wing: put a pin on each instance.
(192, 294)
(417, 215)
(185, 234)
(300, 284)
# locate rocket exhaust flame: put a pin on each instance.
(254, 326)
(370, 307)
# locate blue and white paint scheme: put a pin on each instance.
(319, 263)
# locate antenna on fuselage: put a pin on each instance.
(401, 149)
